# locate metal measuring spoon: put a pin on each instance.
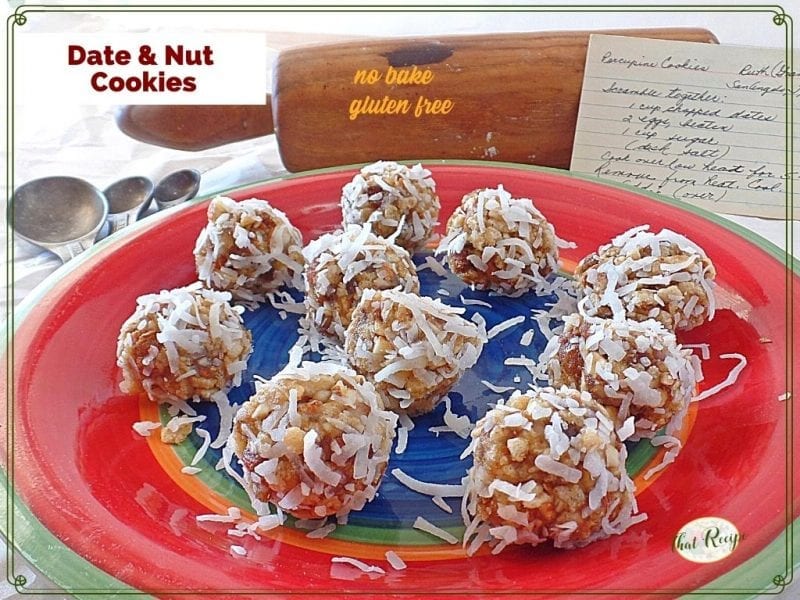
(177, 187)
(60, 214)
(127, 199)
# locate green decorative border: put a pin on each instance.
(35, 541)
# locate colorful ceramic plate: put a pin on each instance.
(99, 508)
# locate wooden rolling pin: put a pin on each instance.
(513, 97)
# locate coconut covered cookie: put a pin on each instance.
(548, 466)
(496, 242)
(643, 275)
(388, 196)
(341, 265)
(183, 344)
(249, 249)
(636, 369)
(413, 348)
(314, 440)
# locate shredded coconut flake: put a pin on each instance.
(444, 490)
(424, 525)
(402, 440)
(312, 455)
(440, 502)
(520, 492)
(507, 324)
(669, 457)
(321, 532)
(474, 302)
(362, 566)
(214, 518)
(549, 465)
(527, 337)
(226, 414)
(201, 451)
(144, 428)
(627, 429)
(705, 352)
(176, 422)
(458, 424)
(731, 378)
(394, 560)
(497, 389)
(435, 266)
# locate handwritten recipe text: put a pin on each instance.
(700, 123)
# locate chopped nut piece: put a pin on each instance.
(168, 436)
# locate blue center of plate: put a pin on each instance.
(429, 456)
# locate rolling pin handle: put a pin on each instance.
(195, 127)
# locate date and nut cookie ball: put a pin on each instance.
(643, 275)
(635, 369)
(341, 265)
(496, 242)
(547, 466)
(314, 440)
(182, 344)
(249, 249)
(413, 348)
(387, 194)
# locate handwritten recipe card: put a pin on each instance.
(701, 123)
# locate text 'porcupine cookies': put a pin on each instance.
(389, 196)
(183, 344)
(249, 249)
(643, 275)
(314, 440)
(500, 243)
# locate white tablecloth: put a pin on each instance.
(83, 141)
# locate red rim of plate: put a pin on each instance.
(30, 534)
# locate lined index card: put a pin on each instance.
(701, 123)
